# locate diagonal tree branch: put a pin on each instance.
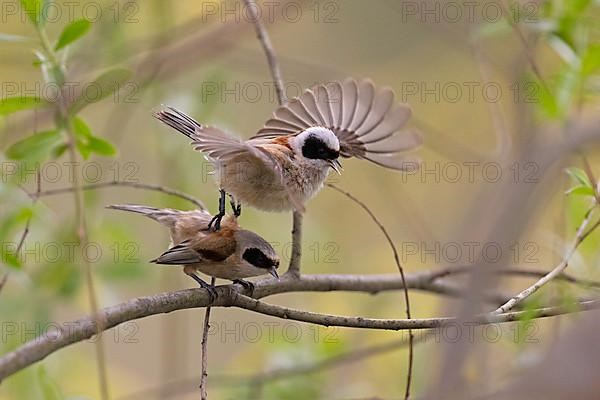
(580, 236)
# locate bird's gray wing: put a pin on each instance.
(210, 247)
(215, 143)
(180, 254)
(366, 121)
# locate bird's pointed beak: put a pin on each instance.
(335, 165)
(273, 272)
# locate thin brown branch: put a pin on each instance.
(135, 185)
(265, 40)
(34, 199)
(515, 272)
(296, 257)
(3, 281)
(580, 236)
(528, 52)
(260, 307)
(400, 269)
(204, 370)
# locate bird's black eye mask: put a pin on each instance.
(316, 148)
(257, 258)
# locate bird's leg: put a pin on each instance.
(246, 284)
(235, 206)
(212, 292)
(216, 220)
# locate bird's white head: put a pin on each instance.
(318, 144)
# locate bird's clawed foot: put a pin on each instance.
(212, 291)
(215, 222)
(246, 284)
(235, 206)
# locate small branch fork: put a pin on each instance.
(580, 236)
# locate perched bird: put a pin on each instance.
(231, 253)
(288, 160)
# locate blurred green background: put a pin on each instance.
(200, 57)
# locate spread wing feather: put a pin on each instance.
(365, 120)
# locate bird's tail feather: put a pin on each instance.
(179, 121)
(162, 215)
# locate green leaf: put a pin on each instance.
(104, 85)
(546, 102)
(48, 386)
(101, 146)
(88, 143)
(81, 128)
(579, 176)
(83, 134)
(83, 149)
(12, 261)
(19, 103)
(590, 62)
(35, 146)
(59, 150)
(581, 191)
(576, 7)
(33, 10)
(72, 32)
(14, 220)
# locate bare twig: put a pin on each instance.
(135, 185)
(34, 199)
(263, 37)
(528, 52)
(265, 40)
(3, 281)
(400, 269)
(84, 328)
(294, 267)
(204, 370)
(580, 236)
(528, 273)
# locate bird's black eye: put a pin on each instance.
(257, 258)
(316, 149)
